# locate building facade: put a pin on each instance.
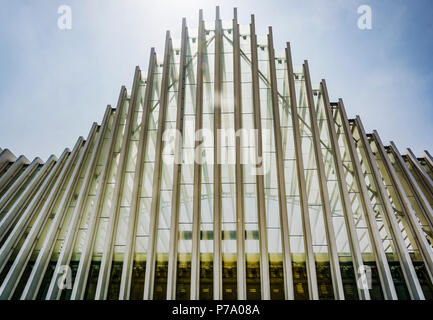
(223, 174)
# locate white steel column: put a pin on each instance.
(110, 237)
(409, 213)
(282, 200)
(53, 167)
(344, 194)
(14, 169)
(424, 205)
(39, 268)
(383, 268)
(420, 171)
(23, 178)
(429, 159)
(408, 269)
(337, 282)
(217, 205)
(24, 254)
(68, 244)
(6, 157)
(377, 246)
(154, 210)
(82, 274)
(28, 198)
(240, 220)
(177, 169)
(125, 283)
(195, 256)
(306, 224)
(263, 239)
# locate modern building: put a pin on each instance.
(223, 174)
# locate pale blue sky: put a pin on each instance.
(54, 83)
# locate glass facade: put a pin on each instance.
(223, 174)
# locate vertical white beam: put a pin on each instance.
(429, 159)
(81, 276)
(177, 169)
(22, 179)
(68, 244)
(5, 158)
(306, 224)
(24, 254)
(217, 205)
(408, 211)
(375, 239)
(344, 194)
(14, 169)
(240, 220)
(154, 210)
(27, 199)
(53, 167)
(195, 256)
(408, 270)
(125, 283)
(420, 198)
(263, 239)
(36, 276)
(16, 220)
(420, 171)
(110, 237)
(337, 282)
(282, 201)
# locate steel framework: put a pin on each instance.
(159, 201)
